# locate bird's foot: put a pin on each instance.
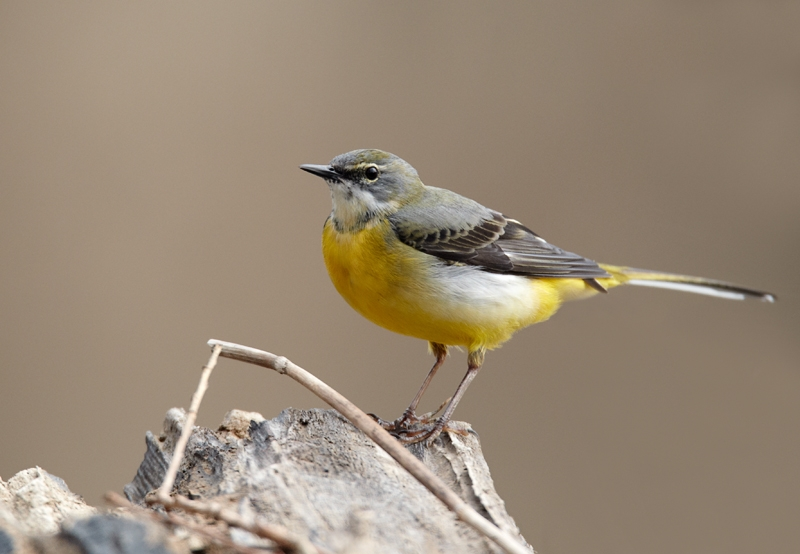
(411, 428)
(426, 433)
(409, 420)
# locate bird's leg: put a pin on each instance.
(427, 432)
(474, 361)
(427, 416)
(409, 416)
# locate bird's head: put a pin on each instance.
(366, 184)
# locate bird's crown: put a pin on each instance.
(370, 166)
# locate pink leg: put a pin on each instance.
(475, 361)
(440, 351)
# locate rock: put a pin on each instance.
(35, 502)
(314, 473)
(39, 514)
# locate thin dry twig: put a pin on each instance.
(375, 432)
(212, 534)
(191, 416)
(280, 535)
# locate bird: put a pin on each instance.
(429, 263)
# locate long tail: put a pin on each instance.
(698, 285)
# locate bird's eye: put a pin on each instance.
(371, 173)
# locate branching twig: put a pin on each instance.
(280, 535)
(212, 534)
(276, 533)
(374, 431)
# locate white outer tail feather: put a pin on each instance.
(708, 290)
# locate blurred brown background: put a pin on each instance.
(150, 200)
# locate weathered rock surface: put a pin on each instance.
(314, 473)
(310, 471)
(39, 514)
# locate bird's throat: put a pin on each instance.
(354, 208)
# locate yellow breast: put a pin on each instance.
(415, 294)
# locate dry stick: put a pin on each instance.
(280, 535)
(212, 534)
(276, 533)
(374, 431)
(284, 539)
(191, 416)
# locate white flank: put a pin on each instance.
(471, 294)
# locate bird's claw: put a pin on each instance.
(409, 420)
(411, 428)
(425, 433)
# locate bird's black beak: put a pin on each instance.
(324, 171)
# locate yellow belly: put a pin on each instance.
(415, 294)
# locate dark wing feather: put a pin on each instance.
(500, 245)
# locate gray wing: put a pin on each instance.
(458, 229)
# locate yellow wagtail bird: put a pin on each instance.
(429, 263)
